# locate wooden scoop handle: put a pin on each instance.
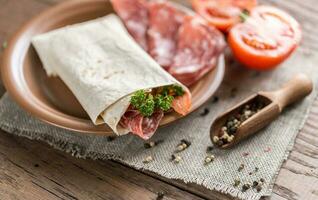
(292, 91)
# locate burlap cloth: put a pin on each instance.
(267, 150)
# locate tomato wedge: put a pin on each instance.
(265, 39)
(222, 14)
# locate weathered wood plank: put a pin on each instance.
(33, 170)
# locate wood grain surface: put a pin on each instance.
(32, 170)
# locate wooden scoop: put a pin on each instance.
(274, 102)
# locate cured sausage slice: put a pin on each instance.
(139, 125)
(134, 14)
(182, 104)
(199, 46)
(164, 22)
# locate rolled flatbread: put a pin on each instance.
(102, 65)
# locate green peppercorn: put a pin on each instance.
(237, 182)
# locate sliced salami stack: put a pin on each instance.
(184, 45)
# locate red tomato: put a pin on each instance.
(265, 39)
(222, 14)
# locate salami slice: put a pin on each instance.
(182, 104)
(164, 22)
(144, 127)
(199, 46)
(134, 14)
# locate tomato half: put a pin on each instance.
(222, 14)
(265, 39)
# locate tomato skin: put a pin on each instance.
(260, 55)
(222, 14)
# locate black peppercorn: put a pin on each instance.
(209, 148)
(111, 138)
(160, 195)
(205, 112)
(245, 187)
(215, 99)
(258, 188)
(255, 183)
(187, 142)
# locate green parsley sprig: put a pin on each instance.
(147, 103)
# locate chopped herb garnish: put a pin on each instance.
(148, 102)
(148, 106)
(138, 98)
(178, 90)
(163, 102)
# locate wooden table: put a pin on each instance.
(32, 170)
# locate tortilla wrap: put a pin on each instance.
(102, 65)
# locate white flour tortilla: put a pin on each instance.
(102, 65)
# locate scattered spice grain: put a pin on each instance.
(245, 187)
(255, 183)
(237, 182)
(258, 188)
(148, 159)
(151, 144)
(208, 159)
(183, 145)
(205, 112)
(176, 158)
(111, 138)
(160, 195)
(241, 167)
(215, 99)
(209, 149)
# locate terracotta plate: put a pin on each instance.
(48, 98)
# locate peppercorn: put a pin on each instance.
(160, 195)
(151, 144)
(183, 145)
(237, 182)
(176, 158)
(241, 167)
(148, 159)
(209, 148)
(255, 183)
(220, 143)
(216, 139)
(230, 139)
(215, 99)
(205, 112)
(208, 159)
(258, 188)
(232, 130)
(187, 142)
(111, 138)
(262, 180)
(245, 187)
